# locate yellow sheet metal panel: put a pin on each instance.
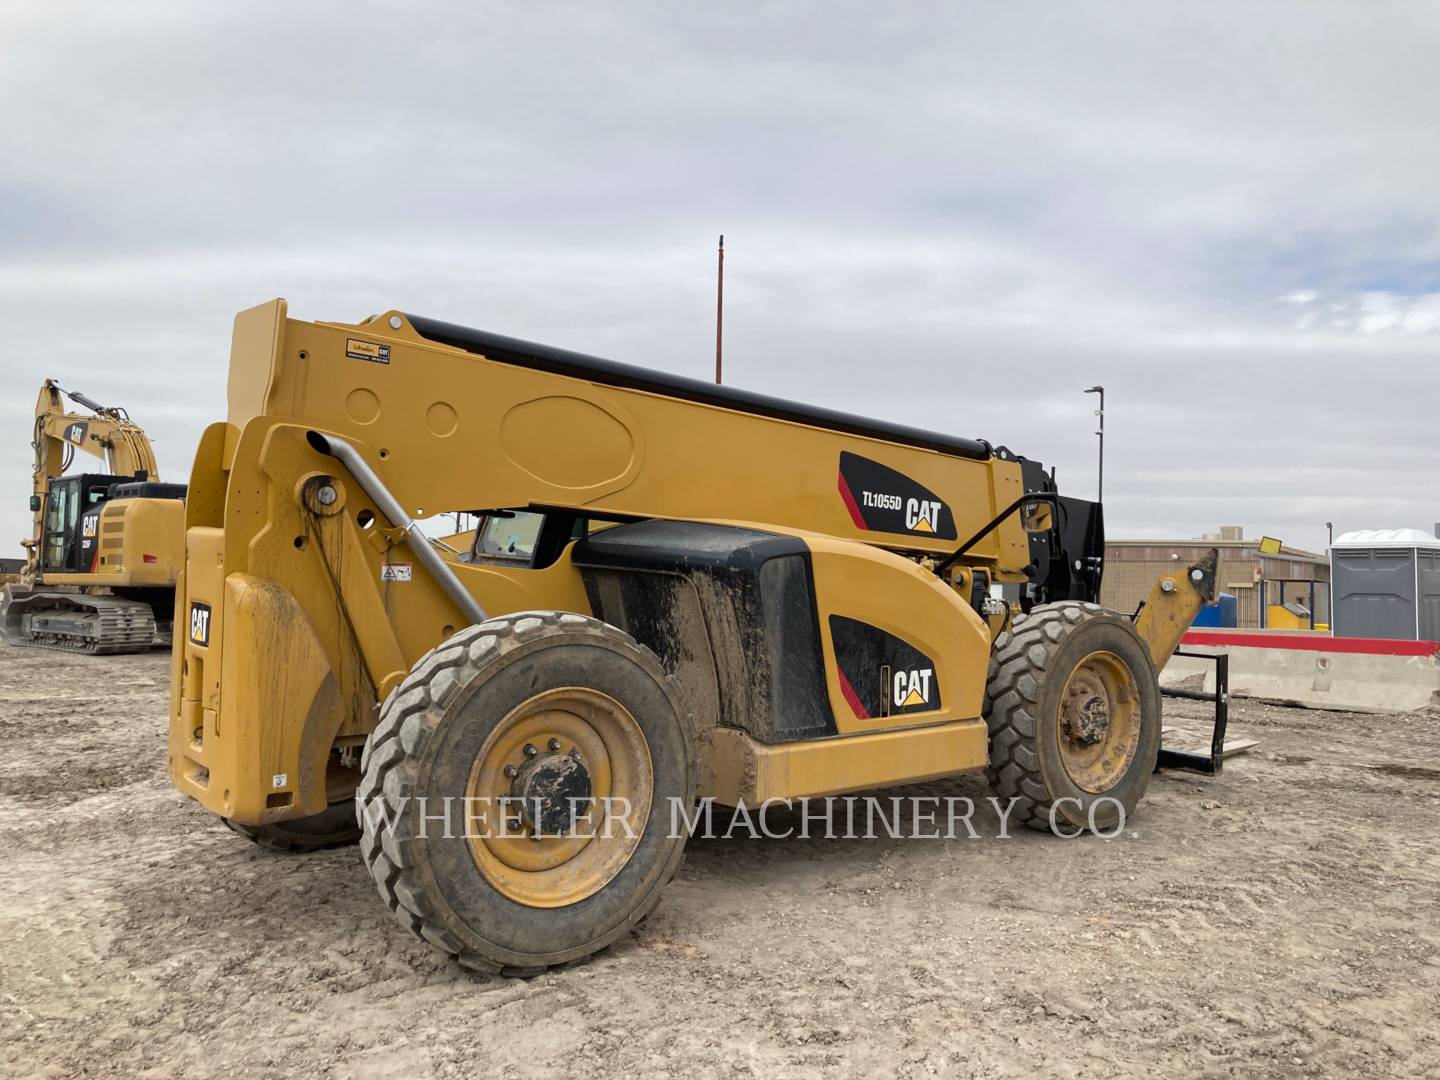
(195, 671)
(280, 707)
(256, 346)
(740, 770)
(151, 548)
(205, 494)
(879, 589)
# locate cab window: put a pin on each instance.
(508, 536)
(525, 537)
(60, 510)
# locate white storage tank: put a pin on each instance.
(1386, 584)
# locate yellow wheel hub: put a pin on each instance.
(1099, 721)
(558, 797)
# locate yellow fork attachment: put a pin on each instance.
(1161, 622)
(1174, 601)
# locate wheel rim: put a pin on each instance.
(1099, 721)
(572, 743)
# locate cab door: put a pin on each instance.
(62, 506)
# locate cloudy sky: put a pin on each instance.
(953, 215)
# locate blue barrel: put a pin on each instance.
(1222, 612)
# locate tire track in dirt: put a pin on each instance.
(1281, 919)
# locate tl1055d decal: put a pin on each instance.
(880, 674)
(881, 499)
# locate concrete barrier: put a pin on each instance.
(1315, 670)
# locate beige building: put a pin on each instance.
(1294, 581)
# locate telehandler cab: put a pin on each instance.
(674, 590)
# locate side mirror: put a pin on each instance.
(1037, 517)
(34, 504)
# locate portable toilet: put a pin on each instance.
(1386, 584)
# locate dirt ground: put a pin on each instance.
(1282, 920)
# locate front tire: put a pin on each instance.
(555, 704)
(1073, 706)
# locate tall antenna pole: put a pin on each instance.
(1100, 412)
(719, 308)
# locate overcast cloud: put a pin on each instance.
(952, 215)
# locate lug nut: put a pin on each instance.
(326, 495)
(510, 771)
(575, 753)
(553, 745)
(530, 750)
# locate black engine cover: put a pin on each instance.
(730, 611)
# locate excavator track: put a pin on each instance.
(79, 623)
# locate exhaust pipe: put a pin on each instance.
(379, 494)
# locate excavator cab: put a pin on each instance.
(71, 521)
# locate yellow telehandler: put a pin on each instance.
(674, 591)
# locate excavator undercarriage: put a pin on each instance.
(76, 621)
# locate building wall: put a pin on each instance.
(1131, 570)
(1130, 573)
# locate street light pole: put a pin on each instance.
(719, 306)
(1100, 412)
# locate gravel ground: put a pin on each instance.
(1281, 920)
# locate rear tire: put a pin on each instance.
(331, 828)
(553, 683)
(1073, 706)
